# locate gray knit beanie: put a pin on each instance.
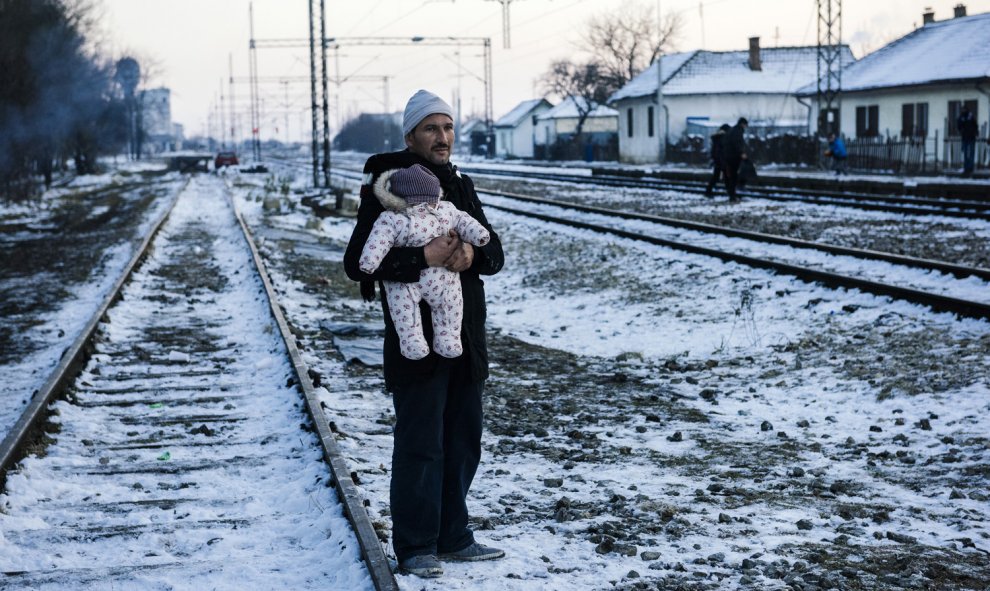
(420, 106)
(416, 185)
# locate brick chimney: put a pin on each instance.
(754, 54)
(928, 17)
(960, 10)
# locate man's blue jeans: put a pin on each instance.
(968, 154)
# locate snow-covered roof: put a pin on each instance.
(471, 124)
(645, 83)
(957, 49)
(783, 71)
(567, 109)
(519, 112)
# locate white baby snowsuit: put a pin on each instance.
(402, 224)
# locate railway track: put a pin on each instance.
(937, 301)
(180, 440)
(941, 302)
(960, 208)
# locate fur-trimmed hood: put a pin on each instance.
(383, 191)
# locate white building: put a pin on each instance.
(703, 89)
(515, 132)
(915, 86)
(560, 123)
(156, 119)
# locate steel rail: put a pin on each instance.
(371, 549)
(941, 266)
(936, 302)
(73, 358)
(906, 205)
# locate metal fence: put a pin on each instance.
(779, 149)
(895, 155)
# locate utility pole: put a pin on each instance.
(662, 141)
(326, 106)
(255, 109)
(314, 150)
(223, 120)
(233, 126)
(829, 65)
(505, 22)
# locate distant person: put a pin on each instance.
(837, 152)
(718, 158)
(735, 153)
(438, 401)
(968, 130)
(414, 215)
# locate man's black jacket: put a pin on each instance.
(404, 265)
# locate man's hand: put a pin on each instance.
(461, 258)
(440, 249)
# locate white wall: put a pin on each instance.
(720, 108)
(891, 101)
(518, 142)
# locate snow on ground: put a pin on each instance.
(726, 419)
(67, 303)
(969, 288)
(268, 474)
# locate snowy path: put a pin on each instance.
(178, 461)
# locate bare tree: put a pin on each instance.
(55, 92)
(581, 83)
(624, 42)
(620, 44)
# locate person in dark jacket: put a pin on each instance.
(437, 400)
(734, 146)
(968, 130)
(718, 158)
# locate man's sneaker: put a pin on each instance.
(424, 565)
(473, 553)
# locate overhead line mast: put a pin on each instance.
(829, 65)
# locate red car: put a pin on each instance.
(225, 159)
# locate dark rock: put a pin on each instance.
(804, 524)
(804, 424)
(649, 556)
(797, 472)
(708, 394)
(766, 426)
(723, 518)
(875, 429)
(924, 425)
(901, 538)
(553, 482)
(675, 437)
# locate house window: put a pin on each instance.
(629, 122)
(867, 124)
(955, 107)
(828, 122)
(649, 118)
(914, 120)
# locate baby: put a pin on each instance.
(414, 215)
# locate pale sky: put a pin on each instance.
(192, 41)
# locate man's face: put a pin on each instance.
(433, 138)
